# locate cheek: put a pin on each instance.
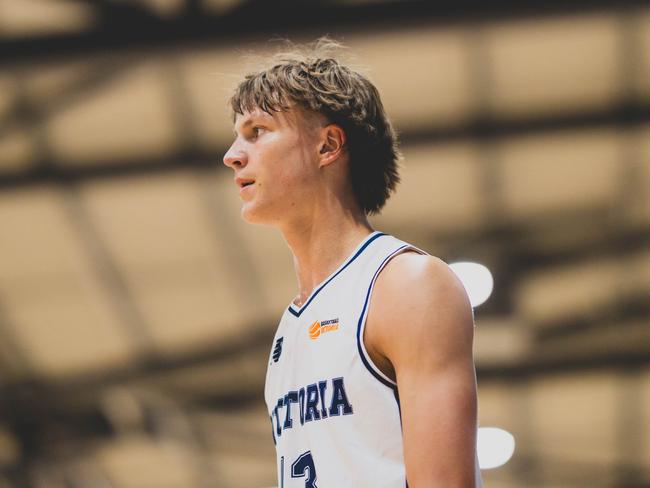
(287, 167)
(299, 181)
(292, 171)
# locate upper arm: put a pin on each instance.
(421, 322)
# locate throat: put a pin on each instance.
(300, 300)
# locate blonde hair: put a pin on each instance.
(310, 77)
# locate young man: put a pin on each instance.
(371, 379)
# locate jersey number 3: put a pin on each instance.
(304, 466)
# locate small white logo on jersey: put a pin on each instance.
(318, 328)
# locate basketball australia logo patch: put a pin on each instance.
(322, 327)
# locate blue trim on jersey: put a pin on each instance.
(399, 406)
(313, 295)
(365, 361)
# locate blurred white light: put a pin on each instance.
(477, 280)
(494, 447)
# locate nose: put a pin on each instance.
(235, 157)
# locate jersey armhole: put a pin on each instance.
(361, 326)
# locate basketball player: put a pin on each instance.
(370, 380)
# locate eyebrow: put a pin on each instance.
(250, 120)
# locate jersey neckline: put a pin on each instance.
(297, 311)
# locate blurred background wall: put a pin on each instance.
(137, 309)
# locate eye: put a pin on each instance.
(257, 130)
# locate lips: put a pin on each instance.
(244, 182)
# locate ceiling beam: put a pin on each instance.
(263, 19)
(193, 156)
(256, 341)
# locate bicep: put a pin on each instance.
(439, 423)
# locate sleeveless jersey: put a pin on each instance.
(335, 416)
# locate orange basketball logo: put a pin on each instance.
(314, 330)
(318, 328)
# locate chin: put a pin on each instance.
(252, 215)
(261, 215)
(247, 216)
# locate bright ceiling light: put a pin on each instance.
(494, 447)
(477, 280)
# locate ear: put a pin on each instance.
(332, 144)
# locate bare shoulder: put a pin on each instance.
(418, 302)
(420, 280)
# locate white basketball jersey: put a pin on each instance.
(335, 416)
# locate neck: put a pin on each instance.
(321, 243)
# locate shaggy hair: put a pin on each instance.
(309, 77)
